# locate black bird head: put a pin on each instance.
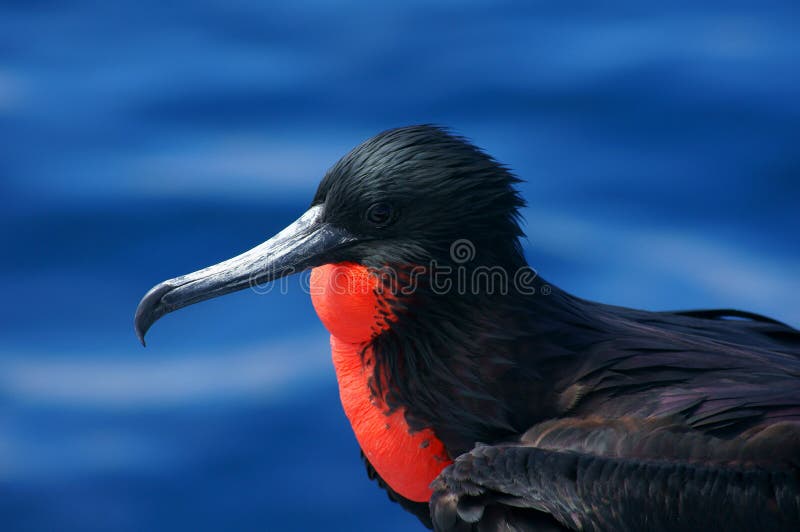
(409, 193)
(403, 197)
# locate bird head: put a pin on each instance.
(403, 197)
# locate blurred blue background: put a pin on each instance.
(142, 140)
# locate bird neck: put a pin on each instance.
(478, 364)
(345, 297)
(448, 357)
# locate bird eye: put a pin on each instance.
(379, 214)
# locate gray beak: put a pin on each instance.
(304, 244)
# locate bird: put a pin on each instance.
(483, 397)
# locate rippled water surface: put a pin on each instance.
(142, 140)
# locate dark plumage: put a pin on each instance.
(559, 412)
(721, 394)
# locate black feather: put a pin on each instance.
(710, 400)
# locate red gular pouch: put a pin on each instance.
(353, 302)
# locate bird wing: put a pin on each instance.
(747, 327)
(626, 474)
(724, 376)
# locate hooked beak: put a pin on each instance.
(306, 243)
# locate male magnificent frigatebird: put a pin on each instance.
(484, 398)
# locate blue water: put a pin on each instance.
(142, 140)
